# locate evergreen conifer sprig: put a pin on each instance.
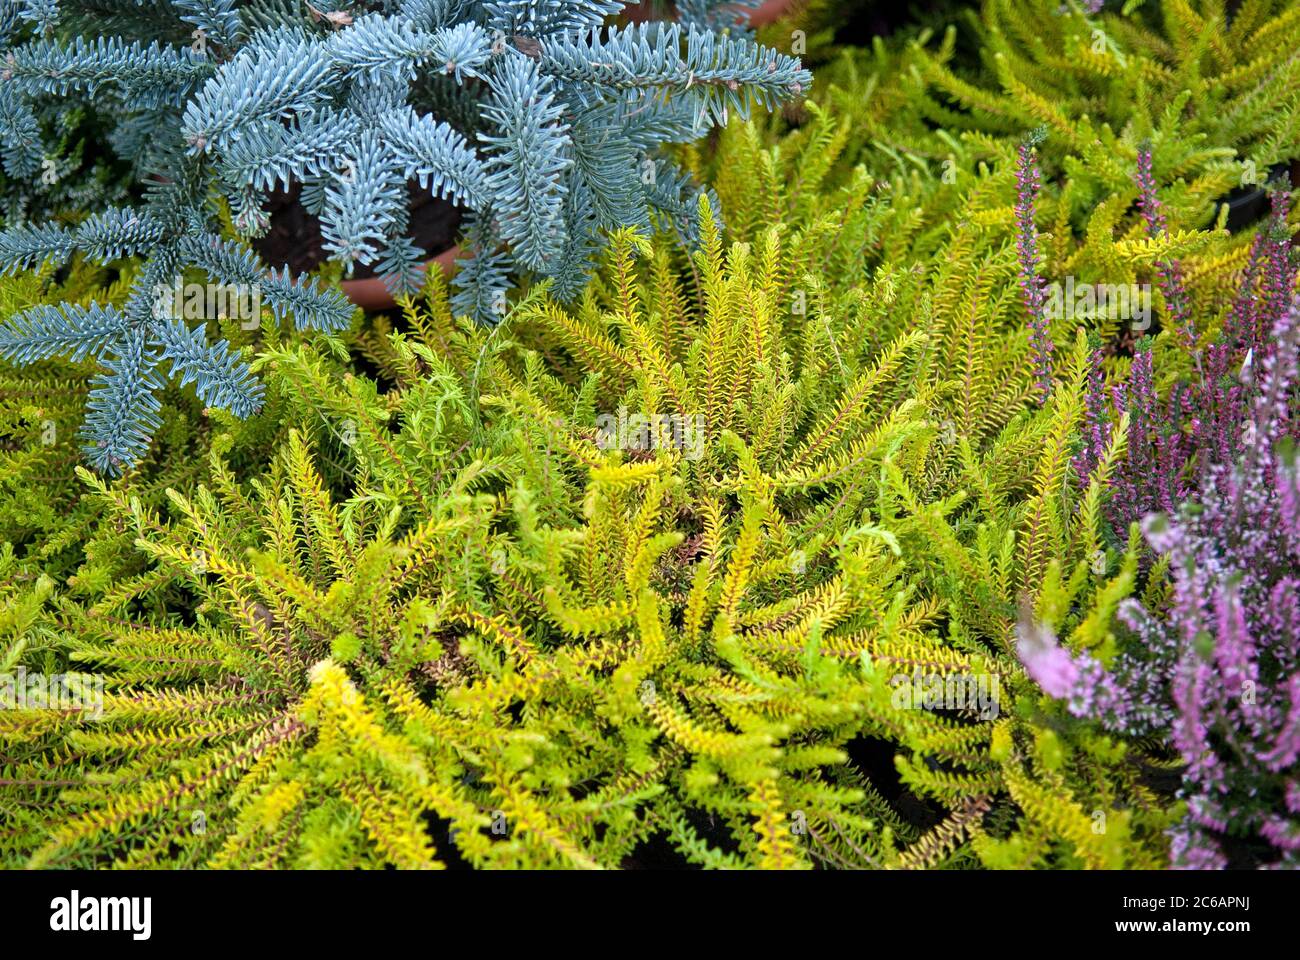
(343, 104)
(131, 341)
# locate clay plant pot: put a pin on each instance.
(294, 241)
(373, 294)
(770, 11)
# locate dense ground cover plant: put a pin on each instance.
(948, 106)
(1217, 675)
(668, 571)
(685, 637)
(1175, 442)
(1099, 78)
(1192, 418)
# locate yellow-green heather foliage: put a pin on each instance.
(1215, 105)
(1228, 79)
(448, 622)
(423, 611)
(42, 502)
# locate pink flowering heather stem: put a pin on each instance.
(1280, 620)
(1095, 433)
(1046, 661)
(1168, 273)
(1191, 724)
(1191, 850)
(1279, 270)
(1288, 498)
(1028, 183)
(1235, 653)
(1217, 417)
(1131, 487)
(1243, 322)
(1282, 833)
(1128, 698)
(1272, 406)
(1287, 746)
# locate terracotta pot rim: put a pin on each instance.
(373, 294)
(770, 12)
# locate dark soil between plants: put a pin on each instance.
(295, 235)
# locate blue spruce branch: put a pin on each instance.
(220, 377)
(71, 330)
(542, 123)
(437, 156)
(528, 161)
(369, 193)
(269, 83)
(309, 305)
(151, 74)
(218, 19)
(122, 409)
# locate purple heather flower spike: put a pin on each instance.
(1168, 272)
(1028, 183)
(1218, 672)
(1050, 666)
(1166, 462)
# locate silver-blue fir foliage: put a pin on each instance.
(540, 119)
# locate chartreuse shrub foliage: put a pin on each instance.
(536, 117)
(1207, 91)
(449, 622)
(423, 611)
(1221, 70)
(1152, 114)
